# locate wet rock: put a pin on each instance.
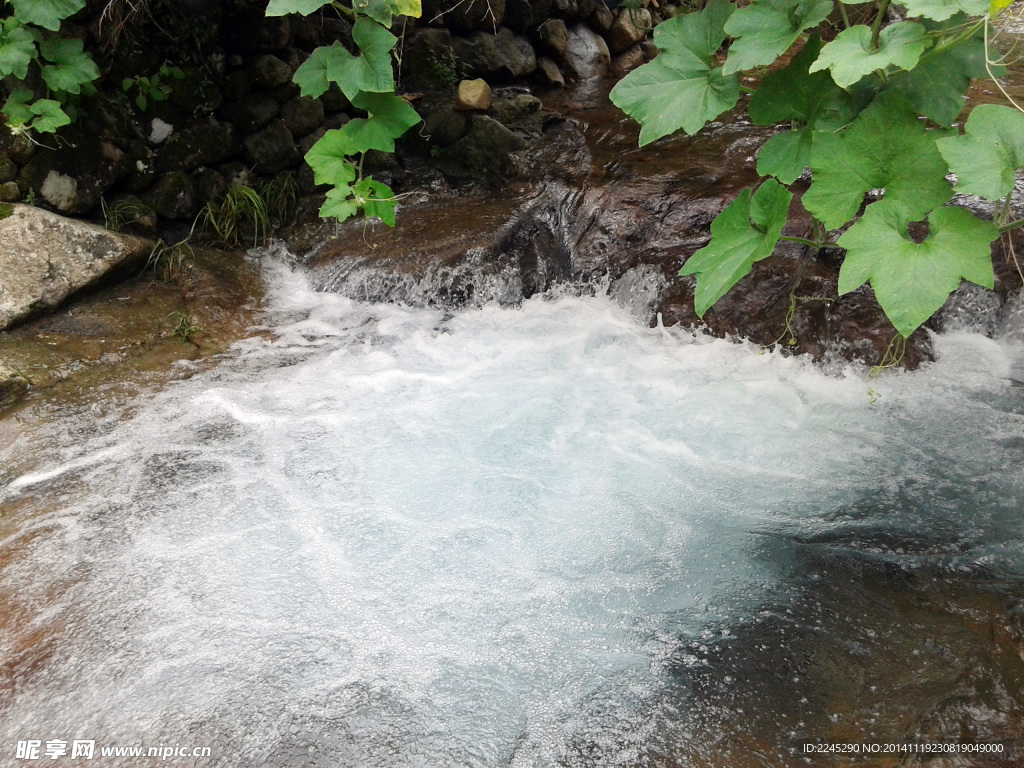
(251, 112)
(173, 196)
(44, 258)
(73, 177)
(1011, 319)
(554, 36)
(211, 186)
(10, 192)
(516, 112)
(334, 100)
(586, 55)
(16, 147)
(306, 142)
(302, 115)
(486, 148)
(602, 18)
(13, 386)
(271, 72)
(565, 9)
(430, 61)
(195, 94)
(522, 15)
(272, 149)
(627, 61)
(549, 74)
(970, 308)
(505, 55)
(473, 96)
(467, 15)
(445, 126)
(203, 142)
(8, 170)
(142, 170)
(631, 25)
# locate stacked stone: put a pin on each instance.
(238, 117)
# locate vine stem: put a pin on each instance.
(811, 243)
(1002, 228)
(844, 14)
(876, 28)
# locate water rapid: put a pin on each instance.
(393, 536)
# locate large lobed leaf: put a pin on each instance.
(47, 14)
(17, 48)
(808, 101)
(745, 232)
(765, 29)
(305, 7)
(912, 280)
(987, 157)
(680, 89)
(71, 66)
(851, 56)
(369, 71)
(940, 10)
(885, 147)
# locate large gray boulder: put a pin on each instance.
(44, 258)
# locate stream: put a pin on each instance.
(382, 535)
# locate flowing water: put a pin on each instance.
(393, 536)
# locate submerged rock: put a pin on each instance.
(13, 386)
(44, 258)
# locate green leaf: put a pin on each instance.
(376, 199)
(785, 155)
(17, 48)
(71, 65)
(791, 94)
(339, 204)
(328, 159)
(392, 114)
(305, 7)
(912, 280)
(998, 6)
(986, 158)
(936, 87)
(141, 102)
(745, 232)
(940, 10)
(312, 75)
(885, 147)
(765, 29)
(370, 71)
(16, 107)
(679, 89)
(49, 116)
(47, 14)
(850, 56)
(383, 11)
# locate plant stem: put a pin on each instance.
(1002, 227)
(876, 28)
(747, 89)
(811, 243)
(845, 15)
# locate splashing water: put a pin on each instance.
(393, 536)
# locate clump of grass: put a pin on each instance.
(242, 207)
(169, 262)
(281, 196)
(183, 326)
(121, 213)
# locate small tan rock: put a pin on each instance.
(473, 96)
(627, 61)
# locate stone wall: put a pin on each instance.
(236, 117)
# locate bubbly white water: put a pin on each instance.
(391, 537)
